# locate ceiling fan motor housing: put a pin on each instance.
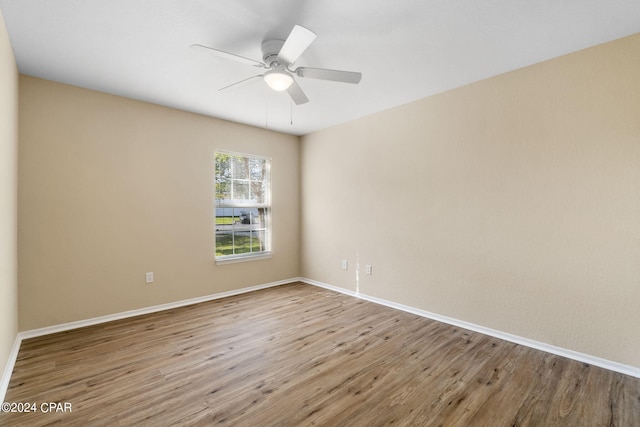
(270, 50)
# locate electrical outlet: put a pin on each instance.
(149, 277)
(345, 264)
(368, 269)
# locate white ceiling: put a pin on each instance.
(405, 49)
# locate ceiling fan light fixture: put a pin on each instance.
(278, 80)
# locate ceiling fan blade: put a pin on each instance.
(240, 82)
(325, 74)
(298, 41)
(296, 93)
(226, 55)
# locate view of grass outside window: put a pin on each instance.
(242, 205)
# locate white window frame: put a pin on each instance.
(247, 205)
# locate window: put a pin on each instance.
(243, 206)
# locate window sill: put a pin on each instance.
(242, 258)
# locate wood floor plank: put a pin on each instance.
(298, 355)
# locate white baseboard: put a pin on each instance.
(8, 369)
(581, 357)
(6, 376)
(570, 354)
(153, 309)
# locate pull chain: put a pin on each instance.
(291, 101)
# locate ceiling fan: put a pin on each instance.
(278, 56)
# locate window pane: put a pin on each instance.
(224, 243)
(225, 216)
(259, 191)
(223, 177)
(240, 167)
(259, 240)
(244, 238)
(258, 169)
(240, 191)
(223, 197)
(247, 216)
(261, 219)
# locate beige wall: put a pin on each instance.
(8, 196)
(512, 203)
(111, 188)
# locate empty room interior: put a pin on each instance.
(436, 221)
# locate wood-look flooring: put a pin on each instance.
(298, 355)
